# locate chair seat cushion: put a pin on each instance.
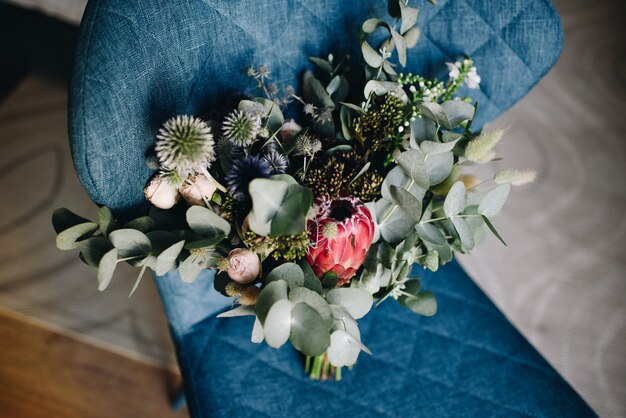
(467, 360)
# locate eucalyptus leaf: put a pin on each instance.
(342, 351)
(310, 280)
(205, 222)
(166, 261)
(309, 333)
(409, 17)
(322, 64)
(494, 200)
(465, 232)
(435, 113)
(354, 107)
(106, 268)
(457, 111)
(319, 95)
(93, 249)
(143, 224)
(372, 58)
(289, 272)
(356, 301)
(431, 262)
(406, 201)
(431, 147)
(106, 220)
(205, 242)
(411, 37)
(190, 269)
(370, 25)
(63, 219)
(66, 240)
(314, 300)
(439, 167)
(277, 324)
(493, 229)
(381, 88)
(394, 223)
(455, 200)
(257, 332)
(130, 243)
(414, 163)
(423, 304)
(400, 46)
(422, 129)
(429, 232)
(270, 294)
(238, 311)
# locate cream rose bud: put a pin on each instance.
(197, 188)
(161, 193)
(243, 265)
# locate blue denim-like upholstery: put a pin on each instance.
(141, 62)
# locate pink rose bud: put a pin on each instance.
(161, 193)
(243, 265)
(289, 129)
(198, 189)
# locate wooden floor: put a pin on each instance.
(48, 373)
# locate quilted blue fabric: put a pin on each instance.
(140, 62)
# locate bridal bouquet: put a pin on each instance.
(306, 225)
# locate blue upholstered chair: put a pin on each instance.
(141, 62)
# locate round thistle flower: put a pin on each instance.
(241, 128)
(185, 144)
(307, 145)
(243, 171)
(276, 161)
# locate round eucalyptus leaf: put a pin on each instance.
(161, 240)
(432, 147)
(66, 240)
(465, 232)
(190, 268)
(64, 218)
(411, 37)
(93, 249)
(207, 223)
(406, 201)
(309, 333)
(394, 223)
(432, 261)
(494, 200)
(422, 129)
(423, 304)
(106, 268)
(289, 272)
(372, 58)
(342, 351)
(277, 324)
(414, 164)
(455, 200)
(409, 16)
(205, 242)
(310, 279)
(130, 243)
(315, 301)
(238, 311)
(356, 301)
(270, 294)
(435, 113)
(257, 332)
(400, 44)
(344, 321)
(429, 232)
(143, 224)
(439, 167)
(106, 220)
(370, 25)
(167, 260)
(458, 111)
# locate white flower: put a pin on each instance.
(161, 193)
(454, 70)
(473, 79)
(198, 189)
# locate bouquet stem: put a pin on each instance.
(319, 368)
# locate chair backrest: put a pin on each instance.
(141, 62)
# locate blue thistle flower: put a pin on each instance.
(243, 171)
(276, 161)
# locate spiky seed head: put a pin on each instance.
(308, 145)
(173, 177)
(480, 149)
(185, 144)
(276, 161)
(241, 128)
(515, 177)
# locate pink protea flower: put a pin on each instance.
(340, 233)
